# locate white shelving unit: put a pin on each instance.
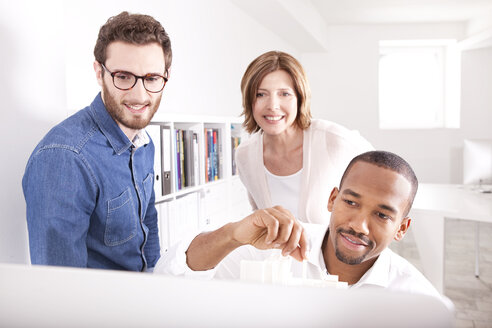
(204, 205)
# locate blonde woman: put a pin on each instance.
(290, 159)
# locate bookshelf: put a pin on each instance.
(195, 181)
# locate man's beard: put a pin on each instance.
(118, 112)
(352, 260)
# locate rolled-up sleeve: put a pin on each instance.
(173, 261)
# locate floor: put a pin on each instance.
(471, 296)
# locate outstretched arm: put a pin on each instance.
(264, 229)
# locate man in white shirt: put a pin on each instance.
(368, 211)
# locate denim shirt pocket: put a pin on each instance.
(121, 221)
(148, 185)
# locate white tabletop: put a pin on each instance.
(455, 201)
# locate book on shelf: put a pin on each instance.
(206, 155)
(187, 140)
(196, 167)
(166, 159)
(210, 155)
(220, 155)
(215, 156)
(182, 159)
(178, 161)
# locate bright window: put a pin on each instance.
(419, 84)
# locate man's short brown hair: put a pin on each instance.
(267, 63)
(134, 29)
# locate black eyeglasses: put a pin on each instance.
(125, 80)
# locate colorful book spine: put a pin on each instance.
(196, 173)
(207, 160)
(181, 149)
(178, 162)
(188, 159)
(210, 139)
(216, 156)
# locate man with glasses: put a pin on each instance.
(88, 184)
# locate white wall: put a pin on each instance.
(213, 41)
(344, 84)
(33, 99)
(46, 61)
(480, 23)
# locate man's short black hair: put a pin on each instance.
(390, 161)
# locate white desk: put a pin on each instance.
(433, 204)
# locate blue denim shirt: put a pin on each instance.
(90, 196)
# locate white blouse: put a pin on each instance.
(285, 190)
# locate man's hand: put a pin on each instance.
(272, 228)
(264, 229)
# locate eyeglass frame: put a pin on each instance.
(136, 79)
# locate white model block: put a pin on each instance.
(272, 270)
(277, 270)
(253, 271)
(318, 283)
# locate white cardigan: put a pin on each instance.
(327, 149)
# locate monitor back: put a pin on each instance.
(477, 161)
(37, 296)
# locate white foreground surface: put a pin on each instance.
(37, 296)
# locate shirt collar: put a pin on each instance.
(108, 126)
(141, 139)
(377, 275)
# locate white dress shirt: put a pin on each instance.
(141, 139)
(390, 270)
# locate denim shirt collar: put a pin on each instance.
(116, 137)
